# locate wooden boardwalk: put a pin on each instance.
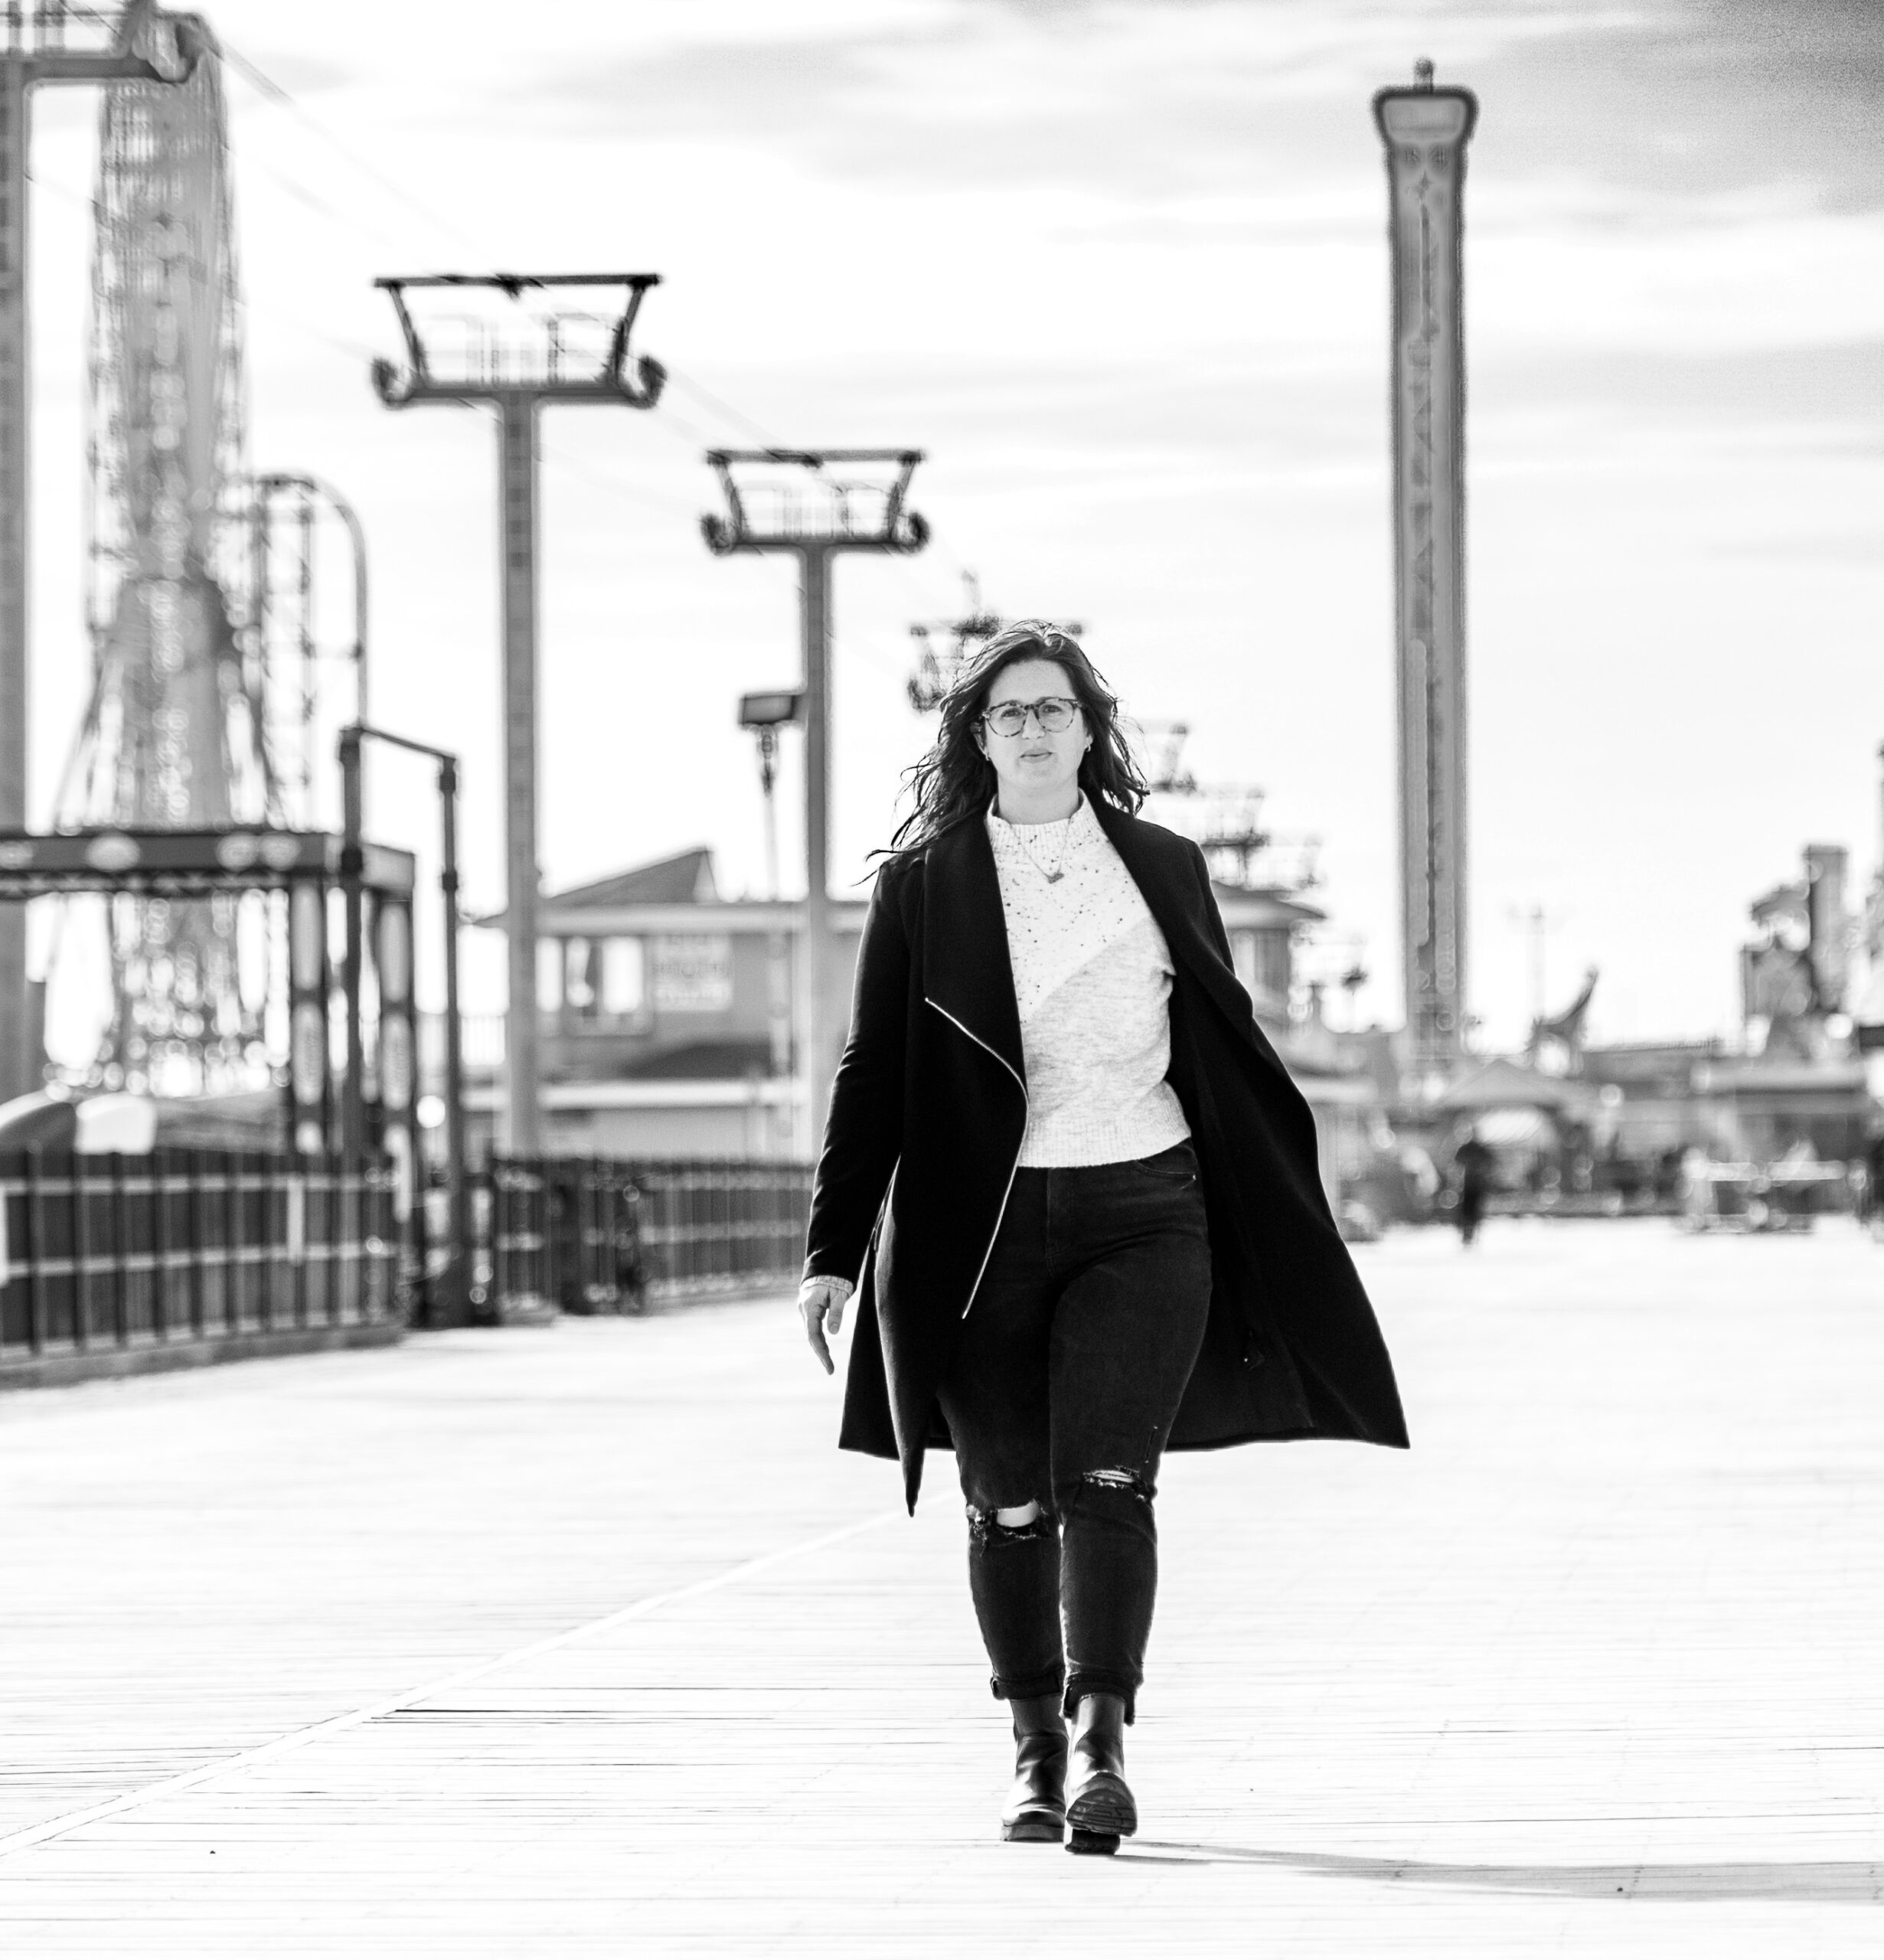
(582, 1639)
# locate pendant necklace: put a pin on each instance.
(1059, 871)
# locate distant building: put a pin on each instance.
(666, 1011)
(1799, 1079)
(665, 1017)
(1795, 972)
(1658, 1104)
(1793, 1078)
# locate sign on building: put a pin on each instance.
(693, 972)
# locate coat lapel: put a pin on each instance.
(966, 971)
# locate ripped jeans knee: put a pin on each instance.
(1128, 1494)
(1011, 1524)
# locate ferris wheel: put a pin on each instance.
(176, 733)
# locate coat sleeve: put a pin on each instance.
(863, 1132)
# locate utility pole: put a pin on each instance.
(1535, 924)
(1536, 920)
(784, 500)
(41, 44)
(454, 1290)
(765, 715)
(518, 363)
(1426, 130)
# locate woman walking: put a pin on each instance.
(1079, 1193)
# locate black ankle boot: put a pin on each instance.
(1036, 1805)
(1099, 1806)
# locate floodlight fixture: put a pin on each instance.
(775, 709)
(851, 500)
(535, 333)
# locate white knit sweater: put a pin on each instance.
(1092, 981)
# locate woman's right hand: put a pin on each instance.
(820, 1303)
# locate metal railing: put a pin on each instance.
(34, 26)
(104, 1253)
(107, 1253)
(602, 1235)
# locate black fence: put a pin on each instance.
(101, 1252)
(612, 1235)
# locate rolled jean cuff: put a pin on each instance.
(1096, 1680)
(1032, 1688)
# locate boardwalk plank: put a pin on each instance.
(1593, 1669)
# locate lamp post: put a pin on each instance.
(455, 1282)
(815, 504)
(765, 715)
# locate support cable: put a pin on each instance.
(680, 429)
(274, 92)
(271, 90)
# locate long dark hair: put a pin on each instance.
(955, 780)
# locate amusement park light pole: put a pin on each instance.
(765, 714)
(519, 382)
(40, 44)
(456, 1289)
(844, 516)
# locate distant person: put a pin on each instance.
(1874, 1180)
(1079, 1192)
(1471, 1163)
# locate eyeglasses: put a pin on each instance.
(1054, 714)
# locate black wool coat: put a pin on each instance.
(927, 1113)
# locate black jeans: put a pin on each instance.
(1062, 1391)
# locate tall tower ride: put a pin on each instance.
(1426, 130)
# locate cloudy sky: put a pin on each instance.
(1118, 265)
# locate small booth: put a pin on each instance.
(304, 867)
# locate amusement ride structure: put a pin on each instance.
(192, 800)
(175, 736)
(189, 801)
(1426, 130)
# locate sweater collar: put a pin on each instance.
(1080, 823)
(967, 971)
